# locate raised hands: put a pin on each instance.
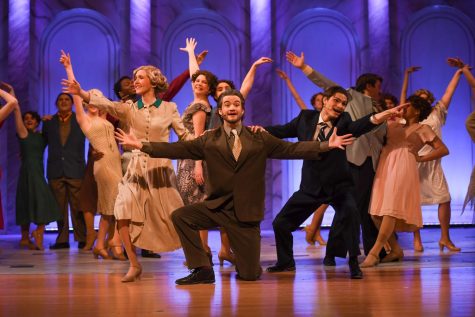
(71, 86)
(412, 69)
(129, 139)
(282, 74)
(201, 56)
(262, 60)
(7, 87)
(65, 59)
(297, 61)
(340, 141)
(455, 62)
(190, 45)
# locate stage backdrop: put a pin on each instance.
(341, 39)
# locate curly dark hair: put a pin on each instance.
(210, 78)
(33, 114)
(420, 104)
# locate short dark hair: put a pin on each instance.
(33, 114)
(365, 79)
(118, 87)
(210, 78)
(391, 97)
(227, 81)
(65, 94)
(332, 91)
(314, 97)
(420, 104)
(230, 92)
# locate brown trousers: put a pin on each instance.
(66, 190)
(245, 238)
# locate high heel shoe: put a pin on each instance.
(101, 253)
(133, 274)
(418, 247)
(449, 245)
(28, 244)
(370, 260)
(117, 255)
(320, 240)
(309, 235)
(393, 256)
(90, 239)
(231, 258)
(38, 237)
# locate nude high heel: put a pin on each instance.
(394, 256)
(309, 235)
(133, 274)
(90, 239)
(38, 237)
(101, 253)
(117, 255)
(449, 245)
(231, 258)
(370, 261)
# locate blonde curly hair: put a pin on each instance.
(157, 79)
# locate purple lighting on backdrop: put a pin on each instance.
(140, 22)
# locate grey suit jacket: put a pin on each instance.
(242, 181)
(369, 144)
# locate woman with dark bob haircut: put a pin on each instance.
(395, 199)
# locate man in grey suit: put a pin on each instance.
(236, 160)
(363, 154)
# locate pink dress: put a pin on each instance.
(396, 187)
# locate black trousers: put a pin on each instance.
(363, 177)
(245, 238)
(343, 238)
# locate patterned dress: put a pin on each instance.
(107, 170)
(189, 190)
(35, 202)
(396, 185)
(147, 192)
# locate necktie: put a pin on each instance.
(321, 134)
(237, 146)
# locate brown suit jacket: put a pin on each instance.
(244, 180)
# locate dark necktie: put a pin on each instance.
(322, 134)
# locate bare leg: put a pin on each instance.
(115, 244)
(444, 220)
(418, 247)
(25, 241)
(319, 215)
(225, 253)
(38, 235)
(135, 268)
(90, 232)
(386, 230)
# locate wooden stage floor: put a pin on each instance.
(69, 283)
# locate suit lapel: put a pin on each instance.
(224, 149)
(313, 125)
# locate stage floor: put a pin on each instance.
(70, 283)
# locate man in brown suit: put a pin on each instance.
(236, 161)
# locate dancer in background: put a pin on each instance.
(395, 199)
(312, 231)
(35, 202)
(107, 170)
(434, 187)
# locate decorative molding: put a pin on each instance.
(61, 22)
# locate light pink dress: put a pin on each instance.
(396, 188)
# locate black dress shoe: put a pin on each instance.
(150, 254)
(81, 244)
(280, 268)
(329, 261)
(59, 245)
(199, 275)
(355, 271)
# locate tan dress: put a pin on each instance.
(396, 183)
(147, 192)
(434, 188)
(107, 170)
